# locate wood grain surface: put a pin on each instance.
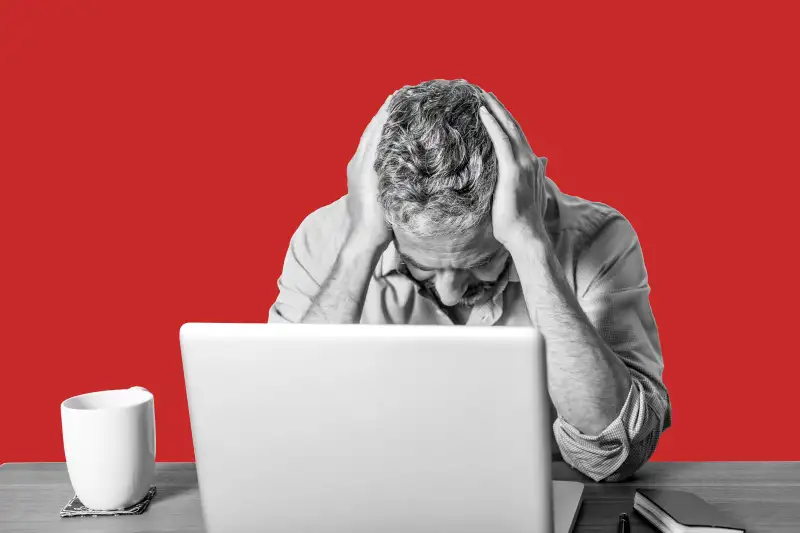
(764, 496)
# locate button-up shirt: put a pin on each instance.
(602, 261)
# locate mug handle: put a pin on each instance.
(137, 387)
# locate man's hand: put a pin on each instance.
(587, 380)
(519, 197)
(341, 296)
(366, 214)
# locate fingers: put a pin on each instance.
(542, 167)
(503, 117)
(500, 139)
(506, 120)
(541, 164)
(376, 126)
(383, 112)
(371, 135)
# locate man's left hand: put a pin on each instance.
(520, 199)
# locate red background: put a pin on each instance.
(156, 157)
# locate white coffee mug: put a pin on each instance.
(110, 446)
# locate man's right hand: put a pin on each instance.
(368, 224)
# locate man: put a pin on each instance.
(450, 219)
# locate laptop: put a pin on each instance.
(372, 429)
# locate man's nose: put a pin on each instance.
(451, 286)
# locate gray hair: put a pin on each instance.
(435, 161)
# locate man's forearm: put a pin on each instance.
(340, 299)
(588, 382)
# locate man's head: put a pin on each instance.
(437, 170)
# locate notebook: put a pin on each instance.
(676, 511)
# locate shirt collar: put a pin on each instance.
(390, 259)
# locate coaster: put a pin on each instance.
(76, 508)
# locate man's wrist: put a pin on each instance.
(361, 245)
(524, 244)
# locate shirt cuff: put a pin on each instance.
(621, 448)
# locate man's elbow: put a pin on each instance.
(638, 455)
(610, 461)
(621, 448)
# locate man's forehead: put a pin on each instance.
(447, 251)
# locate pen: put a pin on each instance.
(624, 524)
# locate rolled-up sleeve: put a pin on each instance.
(312, 251)
(613, 290)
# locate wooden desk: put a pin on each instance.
(765, 496)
